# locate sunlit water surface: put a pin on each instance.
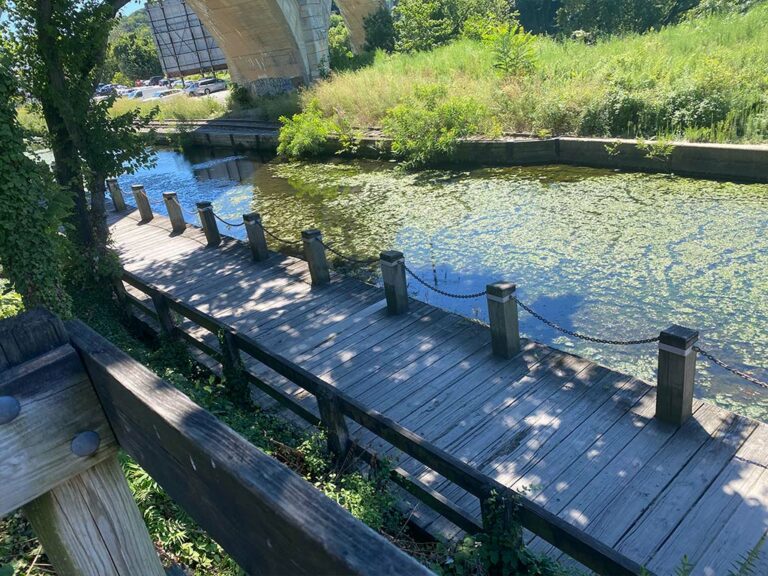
(614, 255)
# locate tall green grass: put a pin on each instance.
(704, 79)
(176, 108)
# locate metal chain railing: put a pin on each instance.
(581, 336)
(367, 262)
(276, 237)
(533, 313)
(230, 224)
(554, 325)
(741, 374)
(183, 209)
(443, 292)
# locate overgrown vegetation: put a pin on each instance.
(702, 80)
(31, 250)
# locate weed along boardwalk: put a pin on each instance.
(617, 473)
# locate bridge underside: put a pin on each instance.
(273, 46)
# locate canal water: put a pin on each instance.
(609, 254)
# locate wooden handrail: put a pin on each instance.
(566, 537)
(269, 519)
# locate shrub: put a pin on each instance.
(617, 113)
(694, 107)
(422, 24)
(340, 55)
(513, 50)
(305, 133)
(426, 128)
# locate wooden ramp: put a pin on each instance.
(577, 438)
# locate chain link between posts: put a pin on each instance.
(366, 262)
(555, 326)
(740, 373)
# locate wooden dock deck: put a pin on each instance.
(579, 439)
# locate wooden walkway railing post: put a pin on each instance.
(175, 214)
(142, 203)
(164, 318)
(677, 369)
(395, 287)
(502, 314)
(117, 194)
(500, 522)
(256, 239)
(314, 252)
(63, 469)
(332, 417)
(208, 220)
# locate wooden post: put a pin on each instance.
(164, 318)
(499, 521)
(117, 194)
(208, 220)
(393, 275)
(87, 523)
(314, 252)
(142, 203)
(677, 368)
(256, 239)
(174, 212)
(502, 314)
(332, 417)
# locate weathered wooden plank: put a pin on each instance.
(56, 403)
(615, 517)
(745, 530)
(389, 350)
(701, 525)
(258, 510)
(344, 349)
(89, 525)
(469, 340)
(56, 448)
(381, 365)
(670, 507)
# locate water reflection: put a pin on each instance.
(608, 254)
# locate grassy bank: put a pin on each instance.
(702, 80)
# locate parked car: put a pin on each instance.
(138, 93)
(162, 95)
(106, 90)
(190, 89)
(208, 85)
(154, 81)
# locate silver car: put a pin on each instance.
(208, 85)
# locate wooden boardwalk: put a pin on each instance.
(579, 438)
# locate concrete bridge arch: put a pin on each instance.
(275, 45)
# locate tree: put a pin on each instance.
(538, 16)
(426, 24)
(60, 47)
(380, 30)
(135, 55)
(619, 16)
(31, 248)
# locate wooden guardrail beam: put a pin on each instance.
(267, 518)
(59, 460)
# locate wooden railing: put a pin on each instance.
(69, 399)
(334, 406)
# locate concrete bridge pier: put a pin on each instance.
(274, 46)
